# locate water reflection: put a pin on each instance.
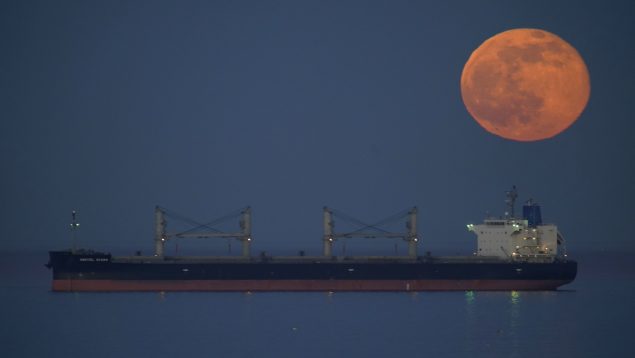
(248, 296)
(473, 340)
(414, 296)
(329, 296)
(514, 323)
(469, 297)
(493, 323)
(515, 297)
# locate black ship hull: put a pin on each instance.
(102, 272)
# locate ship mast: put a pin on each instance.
(74, 226)
(511, 201)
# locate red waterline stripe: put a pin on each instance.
(303, 285)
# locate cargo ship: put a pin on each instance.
(512, 253)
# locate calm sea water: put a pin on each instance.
(593, 317)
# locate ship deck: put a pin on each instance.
(306, 259)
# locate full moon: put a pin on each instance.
(525, 85)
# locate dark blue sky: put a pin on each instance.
(111, 107)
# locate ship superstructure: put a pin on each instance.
(524, 239)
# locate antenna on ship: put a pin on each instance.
(511, 200)
(74, 226)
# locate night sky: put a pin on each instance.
(112, 107)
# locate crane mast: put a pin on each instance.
(203, 231)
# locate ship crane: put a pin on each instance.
(371, 231)
(202, 231)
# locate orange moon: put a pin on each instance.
(525, 85)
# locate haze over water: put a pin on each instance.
(589, 318)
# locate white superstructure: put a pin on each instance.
(514, 239)
(517, 239)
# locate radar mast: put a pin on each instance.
(511, 201)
